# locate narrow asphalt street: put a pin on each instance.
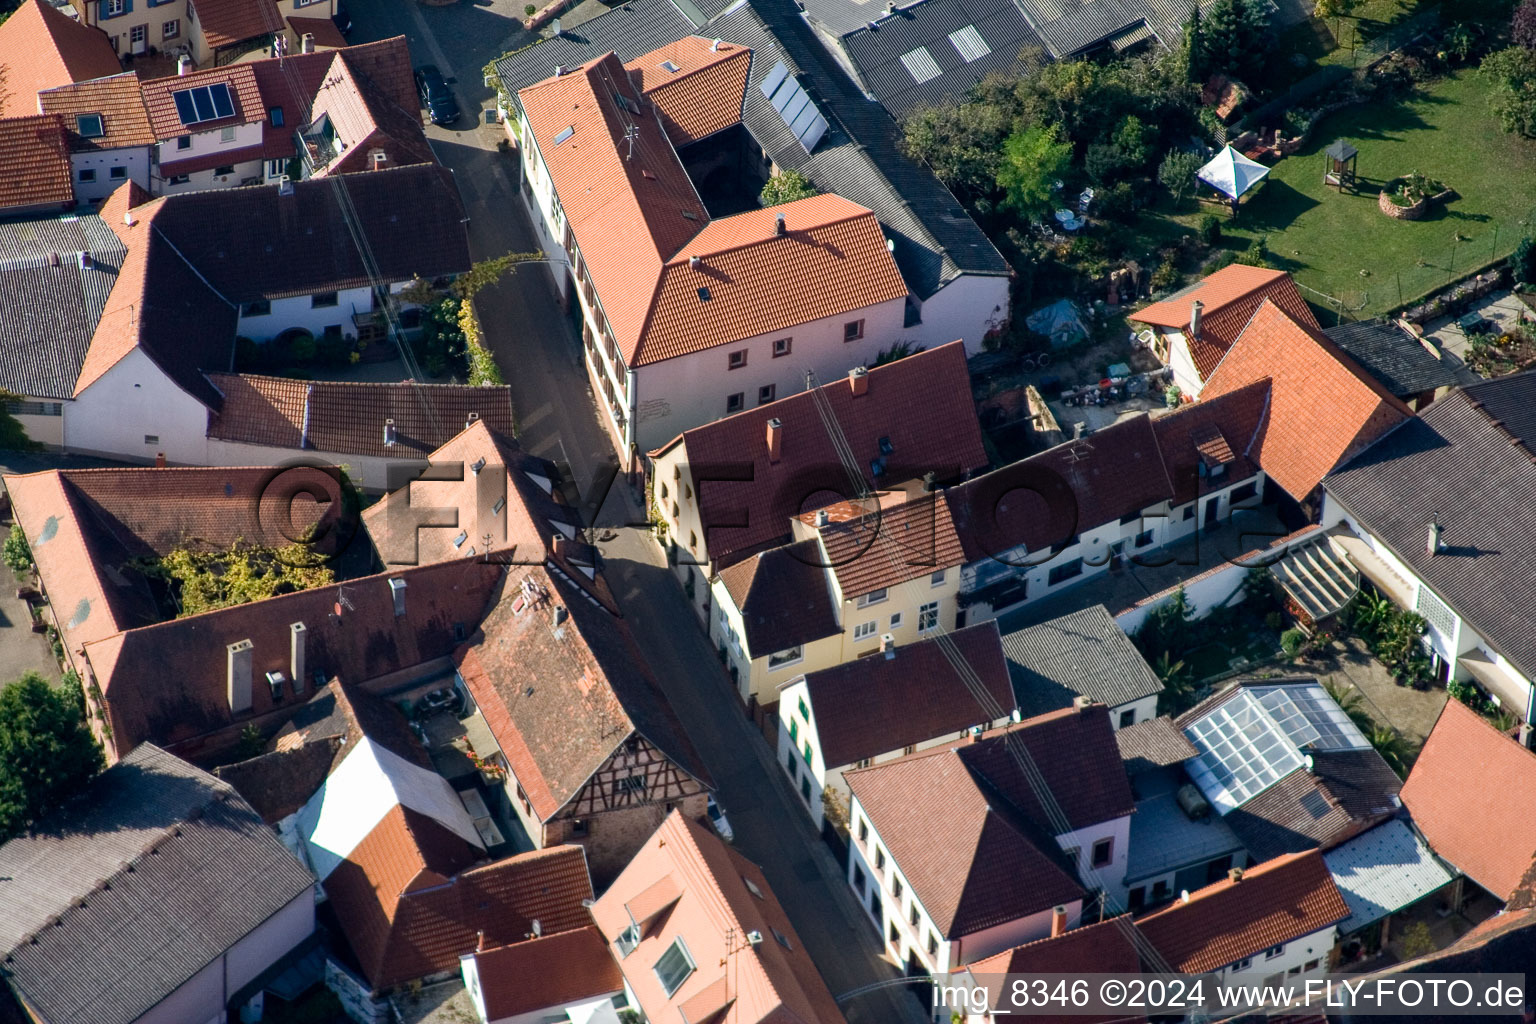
(538, 350)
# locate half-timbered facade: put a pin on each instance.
(592, 751)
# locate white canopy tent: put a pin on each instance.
(1232, 174)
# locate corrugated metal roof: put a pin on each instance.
(48, 313)
(1071, 26)
(154, 849)
(1382, 871)
(1083, 653)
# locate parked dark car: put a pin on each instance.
(439, 100)
(342, 20)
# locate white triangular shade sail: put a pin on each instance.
(1231, 172)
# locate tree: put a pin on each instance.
(12, 436)
(1389, 743)
(962, 143)
(1522, 27)
(1511, 76)
(898, 350)
(1177, 173)
(16, 552)
(251, 744)
(1522, 262)
(1236, 38)
(1332, 9)
(1352, 702)
(1194, 47)
(786, 187)
(1033, 160)
(46, 751)
(1257, 253)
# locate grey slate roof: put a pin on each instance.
(933, 239)
(1084, 653)
(1071, 26)
(877, 45)
(1394, 357)
(48, 313)
(172, 867)
(1470, 459)
(1155, 743)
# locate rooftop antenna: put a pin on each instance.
(631, 132)
(344, 600)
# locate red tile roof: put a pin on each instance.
(896, 542)
(323, 29)
(120, 102)
(291, 83)
(1223, 430)
(1229, 298)
(592, 688)
(570, 967)
(366, 122)
(784, 597)
(227, 22)
(1323, 407)
(241, 79)
(348, 417)
(700, 91)
(872, 706)
(920, 405)
(723, 895)
(1102, 948)
(638, 222)
(986, 867)
(1277, 901)
(1460, 793)
(405, 920)
(34, 162)
(41, 48)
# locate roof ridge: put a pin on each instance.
(672, 261)
(682, 74)
(1260, 870)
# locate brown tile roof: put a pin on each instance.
(366, 121)
(290, 83)
(1277, 901)
(875, 705)
(724, 895)
(1356, 787)
(920, 405)
(41, 47)
(1229, 298)
(591, 689)
(1102, 948)
(1155, 743)
(406, 918)
(784, 597)
(240, 78)
(525, 526)
(832, 257)
(1222, 430)
(120, 102)
(278, 783)
(570, 967)
(34, 162)
(85, 526)
(424, 237)
(323, 29)
(1050, 498)
(1459, 794)
(1323, 407)
(701, 92)
(227, 22)
(163, 307)
(348, 417)
(988, 865)
(167, 682)
(885, 548)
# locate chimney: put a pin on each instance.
(930, 482)
(714, 47)
(1435, 529)
(1526, 735)
(480, 942)
(538, 929)
(775, 439)
(128, 218)
(307, 43)
(469, 420)
(561, 548)
(778, 224)
(377, 159)
(285, 186)
(397, 591)
(476, 466)
(858, 380)
(159, 460)
(888, 646)
(86, 263)
(389, 432)
(1194, 318)
(239, 656)
(1058, 921)
(694, 262)
(1082, 703)
(1079, 430)
(183, 65)
(561, 615)
(297, 634)
(821, 517)
(1234, 875)
(54, 261)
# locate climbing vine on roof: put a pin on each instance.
(201, 580)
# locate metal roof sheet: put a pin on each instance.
(1382, 871)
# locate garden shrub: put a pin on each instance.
(1291, 642)
(1210, 229)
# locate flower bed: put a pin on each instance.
(1410, 197)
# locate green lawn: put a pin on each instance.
(1344, 246)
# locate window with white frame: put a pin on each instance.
(873, 597)
(865, 630)
(628, 939)
(674, 967)
(788, 656)
(937, 579)
(896, 621)
(928, 617)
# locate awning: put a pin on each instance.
(1317, 579)
(1130, 37)
(1383, 871)
(1372, 566)
(1513, 695)
(1232, 173)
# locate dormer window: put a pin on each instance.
(89, 126)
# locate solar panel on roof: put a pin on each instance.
(223, 106)
(794, 105)
(203, 103)
(921, 64)
(184, 108)
(970, 44)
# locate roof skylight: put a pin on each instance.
(89, 126)
(970, 44)
(922, 65)
(565, 133)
